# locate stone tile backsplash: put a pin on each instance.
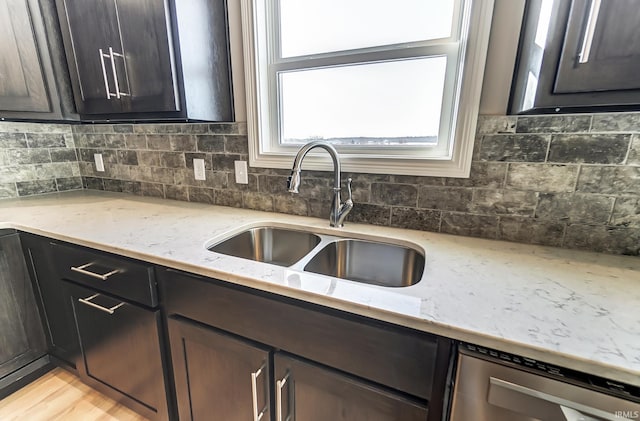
(37, 158)
(571, 181)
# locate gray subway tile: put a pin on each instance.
(469, 225)
(514, 148)
(174, 192)
(114, 141)
(46, 140)
(411, 179)
(63, 155)
(618, 122)
(496, 124)
(69, 183)
(417, 219)
(28, 156)
(589, 148)
(609, 180)
(93, 183)
(28, 188)
(114, 185)
(542, 177)
(600, 238)
(553, 124)
(182, 143)
(290, 204)
(394, 194)
(236, 144)
(634, 151)
(224, 128)
(258, 201)
(231, 198)
(575, 208)
(158, 142)
(135, 141)
(369, 214)
(504, 202)
(483, 174)
(13, 140)
(531, 231)
(172, 160)
(626, 212)
(152, 189)
(127, 157)
(123, 128)
(445, 198)
(210, 143)
(8, 190)
(223, 162)
(148, 158)
(320, 208)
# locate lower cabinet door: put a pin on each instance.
(306, 392)
(218, 377)
(121, 350)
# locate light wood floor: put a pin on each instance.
(59, 395)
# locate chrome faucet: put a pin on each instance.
(339, 210)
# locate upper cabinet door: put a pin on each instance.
(147, 56)
(601, 51)
(121, 55)
(22, 79)
(95, 59)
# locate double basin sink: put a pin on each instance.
(372, 262)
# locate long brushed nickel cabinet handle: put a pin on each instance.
(109, 310)
(279, 386)
(257, 416)
(82, 270)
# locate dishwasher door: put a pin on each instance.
(490, 391)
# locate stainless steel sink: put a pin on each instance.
(369, 262)
(279, 246)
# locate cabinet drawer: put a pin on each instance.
(116, 275)
(399, 358)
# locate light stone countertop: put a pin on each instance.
(576, 309)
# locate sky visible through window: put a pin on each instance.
(384, 102)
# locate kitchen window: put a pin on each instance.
(393, 85)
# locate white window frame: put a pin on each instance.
(458, 119)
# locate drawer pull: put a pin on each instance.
(81, 269)
(279, 386)
(88, 302)
(254, 392)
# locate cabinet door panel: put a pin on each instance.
(22, 86)
(54, 299)
(213, 374)
(21, 335)
(614, 57)
(121, 349)
(149, 67)
(93, 26)
(311, 393)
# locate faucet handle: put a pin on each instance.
(349, 189)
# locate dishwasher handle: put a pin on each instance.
(500, 392)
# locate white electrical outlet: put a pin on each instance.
(99, 162)
(198, 169)
(242, 175)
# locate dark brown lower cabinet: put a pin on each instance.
(218, 377)
(53, 299)
(239, 353)
(120, 350)
(22, 339)
(307, 392)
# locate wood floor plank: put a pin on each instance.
(61, 396)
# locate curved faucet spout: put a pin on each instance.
(339, 210)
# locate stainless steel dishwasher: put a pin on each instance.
(497, 386)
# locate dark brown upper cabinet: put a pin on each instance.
(578, 55)
(34, 81)
(133, 59)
